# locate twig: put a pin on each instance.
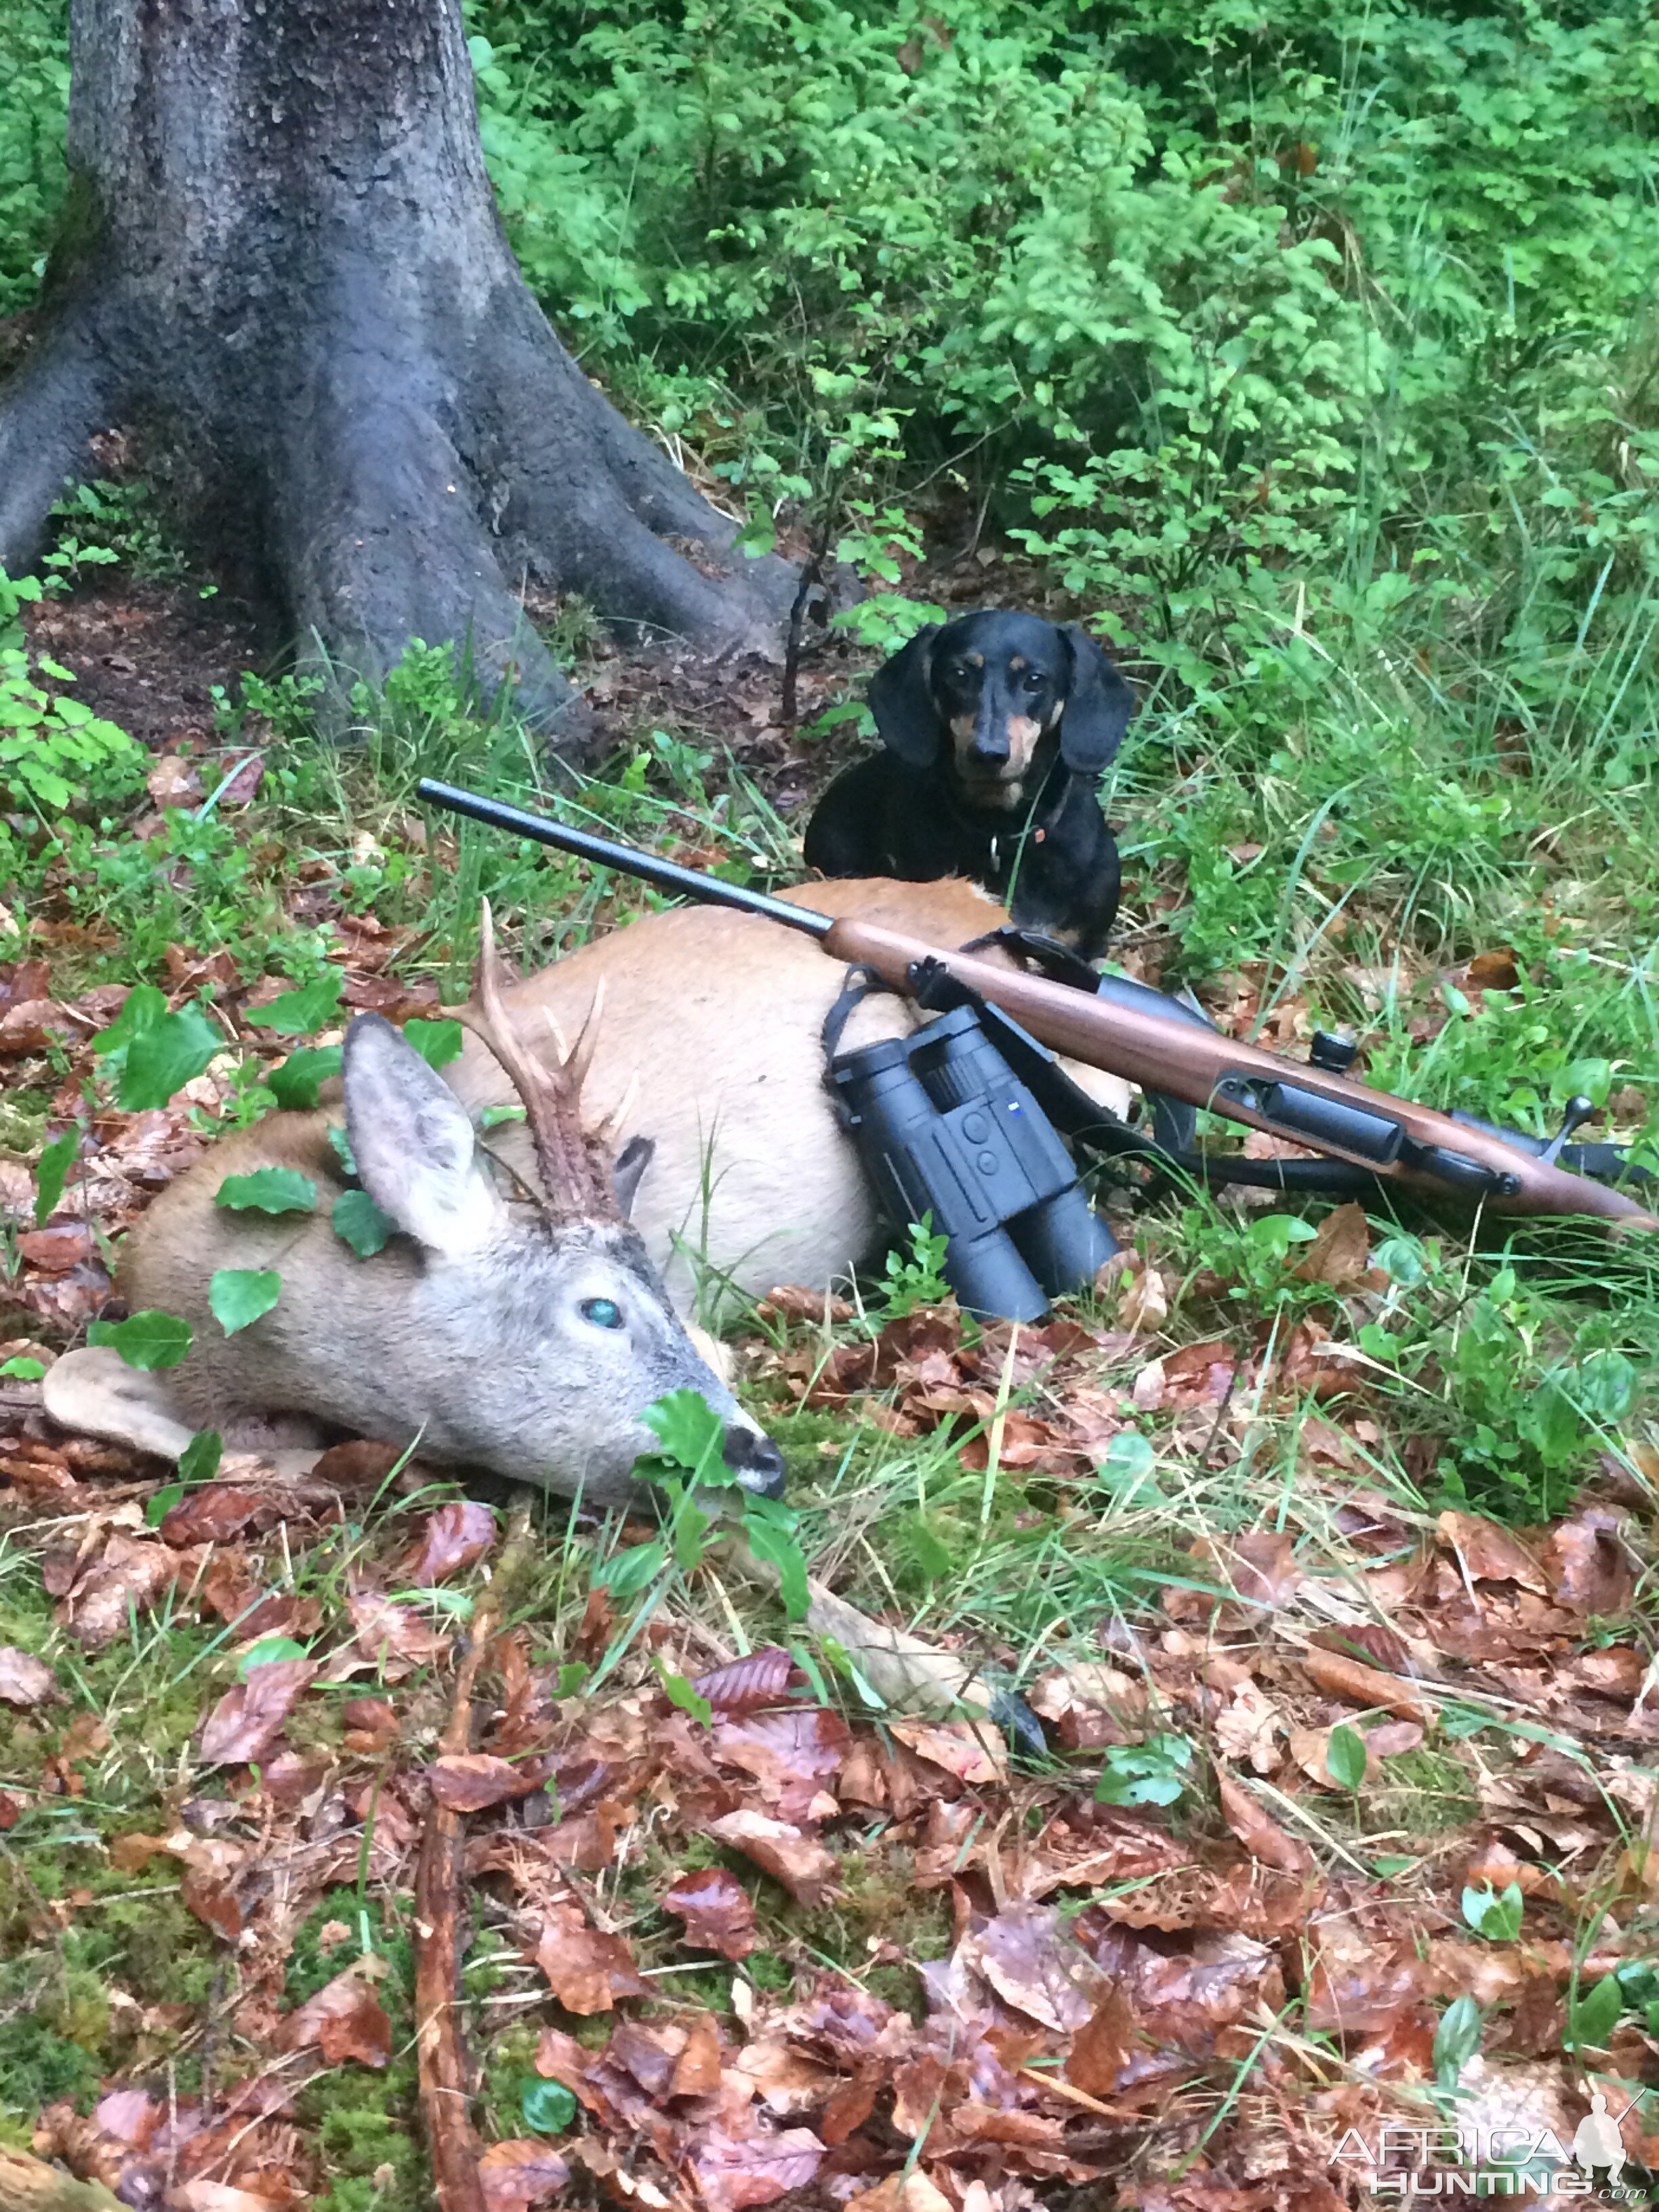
(446, 2094)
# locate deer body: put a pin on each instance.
(521, 1334)
(714, 1021)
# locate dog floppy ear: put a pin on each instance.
(1097, 707)
(901, 701)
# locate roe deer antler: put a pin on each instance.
(575, 1174)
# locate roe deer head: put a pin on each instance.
(523, 1331)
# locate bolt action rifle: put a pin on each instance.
(1367, 1137)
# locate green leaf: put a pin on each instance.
(296, 1083)
(50, 1177)
(1149, 1773)
(1402, 1260)
(1345, 1757)
(164, 1057)
(680, 1692)
(570, 1677)
(548, 2107)
(1126, 1468)
(691, 1433)
(266, 1652)
(1592, 2018)
(268, 1190)
(162, 1503)
(142, 1006)
(339, 1143)
(199, 1460)
(1498, 1919)
(148, 1340)
(1456, 2041)
(437, 1042)
(239, 1296)
(769, 1526)
(361, 1224)
(493, 1116)
(24, 1369)
(625, 1574)
(298, 1014)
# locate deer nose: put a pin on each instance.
(758, 1462)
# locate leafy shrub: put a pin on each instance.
(54, 752)
(34, 69)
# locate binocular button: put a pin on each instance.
(988, 1164)
(975, 1128)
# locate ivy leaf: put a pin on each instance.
(298, 1014)
(689, 1430)
(437, 1042)
(680, 1692)
(296, 1082)
(361, 1224)
(770, 1526)
(1345, 1757)
(239, 1296)
(548, 2107)
(164, 1057)
(268, 1190)
(50, 1177)
(148, 1340)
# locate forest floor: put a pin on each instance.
(1344, 1655)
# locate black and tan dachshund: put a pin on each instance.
(996, 727)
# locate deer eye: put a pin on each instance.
(603, 1313)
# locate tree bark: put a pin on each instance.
(281, 261)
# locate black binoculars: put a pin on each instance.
(945, 1129)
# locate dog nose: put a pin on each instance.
(990, 744)
(755, 1459)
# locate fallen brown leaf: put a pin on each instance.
(1261, 1835)
(760, 1679)
(735, 2171)
(24, 1680)
(344, 2020)
(1101, 2048)
(467, 1781)
(1366, 1686)
(521, 2173)
(246, 1721)
(587, 1971)
(801, 1863)
(455, 1537)
(1491, 1553)
(1592, 1571)
(1032, 1959)
(973, 1752)
(716, 1910)
(698, 2070)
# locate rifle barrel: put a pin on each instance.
(605, 853)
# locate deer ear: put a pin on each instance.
(413, 1144)
(901, 701)
(1097, 706)
(628, 1172)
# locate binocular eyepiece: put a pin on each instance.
(944, 1129)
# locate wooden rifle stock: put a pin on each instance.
(1308, 1105)
(1327, 1112)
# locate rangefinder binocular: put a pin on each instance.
(947, 1130)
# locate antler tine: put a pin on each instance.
(574, 1181)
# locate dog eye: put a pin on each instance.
(603, 1313)
(1034, 680)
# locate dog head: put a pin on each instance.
(990, 688)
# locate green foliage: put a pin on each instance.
(54, 752)
(1592, 2014)
(360, 1223)
(548, 2107)
(437, 1042)
(52, 1171)
(913, 1276)
(297, 1081)
(1495, 1915)
(1345, 1756)
(240, 1295)
(1456, 2041)
(152, 1053)
(268, 1190)
(302, 1012)
(34, 69)
(150, 1340)
(106, 525)
(1154, 1772)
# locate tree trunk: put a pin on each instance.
(281, 261)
